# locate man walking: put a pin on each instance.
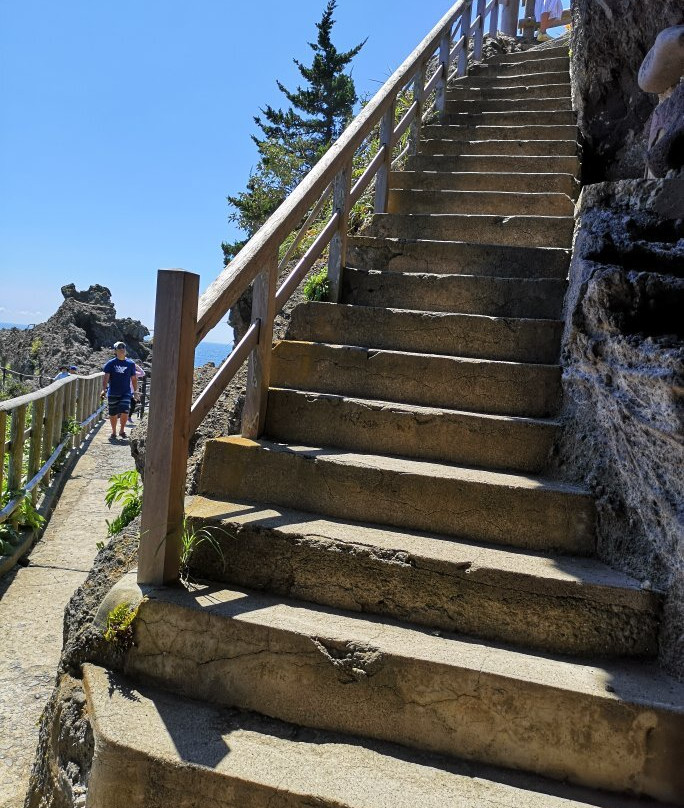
(119, 383)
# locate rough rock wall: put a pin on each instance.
(608, 42)
(623, 359)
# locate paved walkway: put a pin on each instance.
(32, 602)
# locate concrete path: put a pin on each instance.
(32, 602)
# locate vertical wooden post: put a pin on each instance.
(510, 12)
(259, 367)
(529, 22)
(462, 68)
(168, 432)
(494, 20)
(16, 453)
(48, 431)
(337, 255)
(418, 98)
(80, 410)
(479, 30)
(3, 440)
(382, 180)
(444, 63)
(35, 443)
(59, 417)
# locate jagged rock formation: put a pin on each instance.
(623, 358)
(81, 332)
(609, 40)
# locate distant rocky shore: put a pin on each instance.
(81, 332)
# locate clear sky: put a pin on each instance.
(123, 126)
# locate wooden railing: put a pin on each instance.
(37, 435)
(182, 319)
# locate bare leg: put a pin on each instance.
(112, 421)
(123, 418)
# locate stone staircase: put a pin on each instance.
(409, 613)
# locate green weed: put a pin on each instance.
(317, 286)
(191, 540)
(125, 488)
(120, 625)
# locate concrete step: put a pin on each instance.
(191, 754)
(534, 56)
(489, 163)
(458, 258)
(515, 147)
(514, 132)
(523, 68)
(616, 726)
(511, 117)
(569, 606)
(493, 78)
(477, 385)
(524, 231)
(470, 294)
(427, 332)
(479, 181)
(472, 504)
(503, 91)
(494, 442)
(507, 203)
(480, 104)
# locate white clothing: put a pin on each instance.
(554, 8)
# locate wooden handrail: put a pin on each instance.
(76, 397)
(184, 319)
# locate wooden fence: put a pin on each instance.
(42, 425)
(182, 320)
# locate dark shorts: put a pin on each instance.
(118, 404)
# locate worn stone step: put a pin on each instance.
(191, 754)
(469, 294)
(480, 181)
(539, 148)
(535, 56)
(478, 385)
(510, 79)
(428, 433)
(488, 163)
(519, 93)
(508, 203)
(525, 231)
(479, 104)
(617, 725)
(568, 606)
(473, 504)
(457, 258)
(522, 68)
(475, 131)
(429, 332)
(512, 117)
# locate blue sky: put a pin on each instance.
(125, 125)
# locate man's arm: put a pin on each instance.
(105, 383)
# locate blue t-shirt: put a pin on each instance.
(121, 371)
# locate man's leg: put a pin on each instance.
(112, 421)
(123, 417)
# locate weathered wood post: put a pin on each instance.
(419, 99)
(382, 180)
(48, 431)
(259, 367)
(510, 11)
(16, 453)
(444, 63)
(478, 36)
(462, 66)
(529, 24)
(168, 431)
(337, 255)
(494, 20)
(3, 440)
(34, 464)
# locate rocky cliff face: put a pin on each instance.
(81, 332)
(608, 43)
(623, 360)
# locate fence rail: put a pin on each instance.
(30, 452)
(182, 320)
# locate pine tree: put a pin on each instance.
(294, 139)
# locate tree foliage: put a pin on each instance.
(295, 138)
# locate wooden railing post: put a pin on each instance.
(168, 432)
(494, 20)
(529, 24)
(48, 430)
(444, 63)
(479, 30)
(34, 463)
(338, 245)
(510, 12)
(259, 368)
(3, 440)
(462, 67)
(16, 453)
(419, 99)
(382, 180)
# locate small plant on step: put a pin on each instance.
(120, 625)
(191, 540)
(317, 286)
(125, 488)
